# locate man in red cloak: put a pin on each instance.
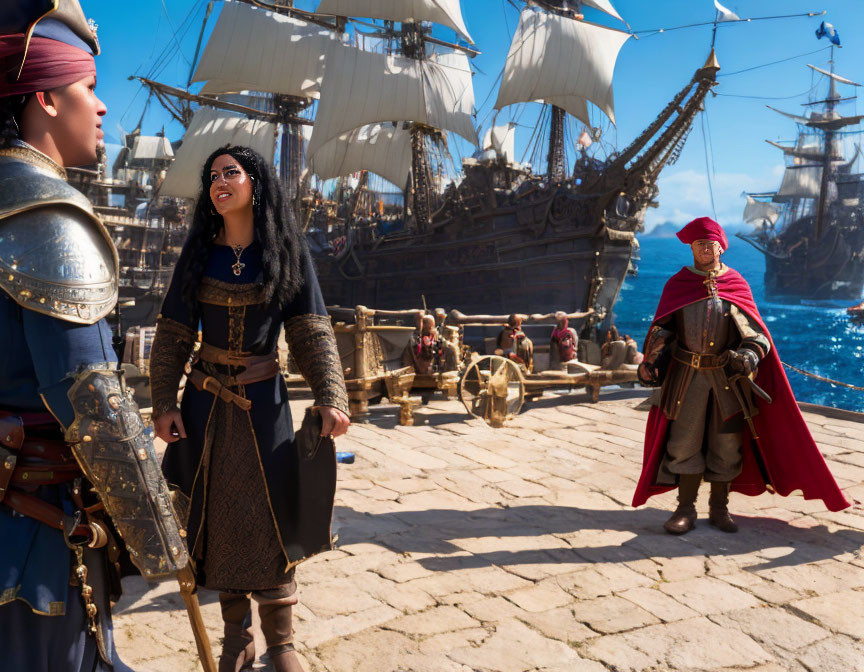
(725, 411)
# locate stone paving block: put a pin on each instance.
(433, 621)
(338, 597)
(374, 651)
(484, 457)
(835, 654)
(684, 645)
(514, 647)
(447, 641)
(612, 614)
(405, 486)
(560, 624)
(521, 488)
(493, 610)
(842, 611)
(773, 626)
(708, 595)
(659, 604)
(317, 632)
(493, 580)
(403, 571)
(541, 597)
(767, 591)
(810, 579)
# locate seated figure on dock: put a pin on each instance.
(512, 343)
(633, 357)
(725, 412)
(619, 351)
(423, 351)
(563, 344)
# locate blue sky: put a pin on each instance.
(649, 72)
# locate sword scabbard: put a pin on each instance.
(186, 579)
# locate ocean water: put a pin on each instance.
(814, 338)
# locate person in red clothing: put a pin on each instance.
(725, 412)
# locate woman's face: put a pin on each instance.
(230, 186)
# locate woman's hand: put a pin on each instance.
(333, 421)
(169, 427)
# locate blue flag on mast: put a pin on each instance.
(828, 30)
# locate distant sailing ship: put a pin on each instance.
(387, 99)
(811, 230)
(148, 232)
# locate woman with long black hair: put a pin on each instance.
(243, 273)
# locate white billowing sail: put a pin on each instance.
(209, 130)
(800, 182)
(603, 6)
(502, 139)
(835, 77)
(756, 212)
(555, 58)
(383, 149)
(446, 12)
(151, 148)
(263, 51)
(797, 118)
(366, 88)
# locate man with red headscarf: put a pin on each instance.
(71, 438)
(725, 412)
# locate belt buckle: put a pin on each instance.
(695, 360)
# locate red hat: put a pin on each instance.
(703, 228)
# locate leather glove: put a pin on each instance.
(743, 360)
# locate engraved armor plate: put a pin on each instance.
(117, 456)
(55, 255)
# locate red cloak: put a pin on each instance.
(789, 454)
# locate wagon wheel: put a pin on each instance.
(492, 388)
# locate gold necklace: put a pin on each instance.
(237, 267)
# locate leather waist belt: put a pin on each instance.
(698, 360)
(34, 461)
(214, 355)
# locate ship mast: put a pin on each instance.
(556, 158)
(414, 47)
(831, 104)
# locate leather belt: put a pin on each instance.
(34, 461)
(700, 360)
(214, 355)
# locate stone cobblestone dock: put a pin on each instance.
(463, 548)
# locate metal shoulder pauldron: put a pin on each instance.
(56, 257)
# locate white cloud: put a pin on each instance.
(684, 196)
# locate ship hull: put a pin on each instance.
(828, 270)
(538, 257)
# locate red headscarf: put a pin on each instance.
(49, 64)
(703, 228)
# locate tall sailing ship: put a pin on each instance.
(811, 230)
(147, 231)
(362, 91)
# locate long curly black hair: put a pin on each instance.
(275, 228)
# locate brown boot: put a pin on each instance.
(278, 632)
(718, 514)
(684, 518)
(238, 646)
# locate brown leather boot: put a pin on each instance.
(684, 518)
(278, 632)
(238, 646)
(718, 514)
